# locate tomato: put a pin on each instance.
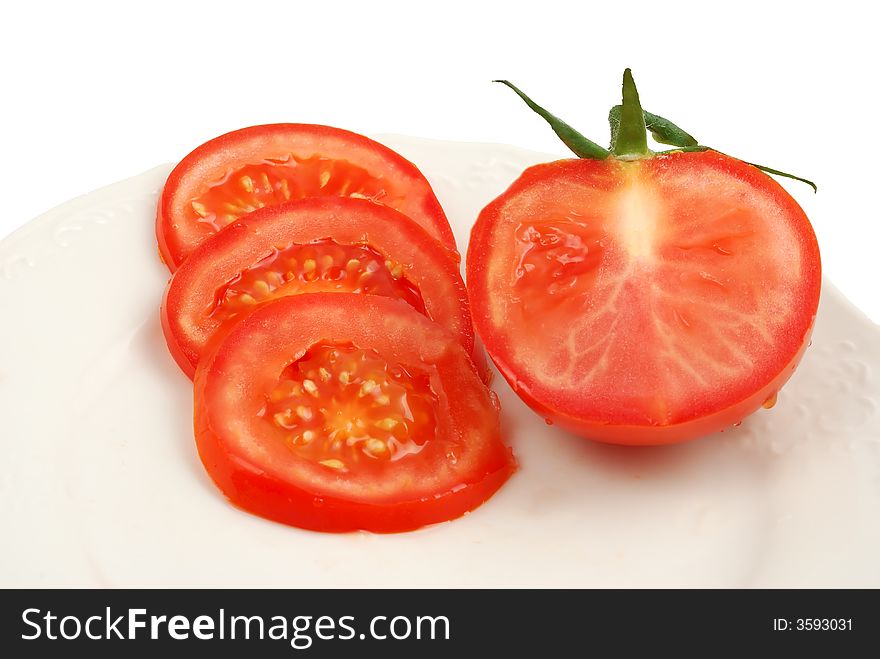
(319, 244)
(236, 173)
(343, 412)
(644, 298)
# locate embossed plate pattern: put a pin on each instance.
(101, 484)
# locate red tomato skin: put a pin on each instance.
(631, 435)
(175, 348)
(351, 221)
(260, 493)
(427, 211)
(254, 490)
(728, 412)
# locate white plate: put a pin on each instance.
(101, 484)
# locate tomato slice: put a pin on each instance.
(320, 244)
(648, 301)
(239, 172)
(343, 412)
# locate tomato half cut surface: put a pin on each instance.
(644, 302)
(239, 172)
(344, 412)
(321, 244)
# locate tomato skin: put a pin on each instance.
(632, 435)
(212, 160)
(347, 221)
(267, 496)
(608, 425)
(297, 497)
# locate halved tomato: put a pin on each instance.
(645, 300)
(236, 173)
(637, 297)
(343, 412)
(320, 244)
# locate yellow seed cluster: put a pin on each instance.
(321, 266)
(354, 403)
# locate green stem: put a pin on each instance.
(580, 145)
(631, 140)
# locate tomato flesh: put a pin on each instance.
(322, 265)
(314, 245)
(232, 175)
(343, 412)
(245, 189)
(646, 301)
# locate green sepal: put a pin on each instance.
(579, 145)
(768, 170)
(776, 172)
(629, 125)
(686, 149)
(662, 130)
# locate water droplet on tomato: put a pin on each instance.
(770, 402)
(549, 422)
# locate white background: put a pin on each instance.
(96, 92)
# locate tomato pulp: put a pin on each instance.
(321, 244)
(344, 412)
(239, 172)
(645, 301)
